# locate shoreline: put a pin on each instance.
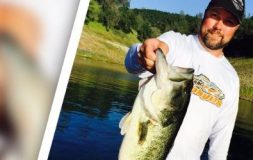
(108, 61)
(246, 99)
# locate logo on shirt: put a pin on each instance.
(207, 90)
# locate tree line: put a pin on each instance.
(116, 14)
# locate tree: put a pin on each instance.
(155, 32)
(144, 32)
(126, 21)
(245, 28)
(94, 11)
(138, 22)
(110, 14)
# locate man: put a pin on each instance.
(213, 105)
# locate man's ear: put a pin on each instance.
(238, 26)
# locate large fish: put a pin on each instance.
(159, 108)
(28, 101)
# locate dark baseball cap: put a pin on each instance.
(236, 7)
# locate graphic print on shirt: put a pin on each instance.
(207, 90)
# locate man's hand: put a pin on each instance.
(147, 55)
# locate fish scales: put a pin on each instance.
(157, 114)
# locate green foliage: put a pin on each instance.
(147, 23)
(144, 31)
(139, 21)
(243, 66)
(120, 3)
(110, 15)
(155, 32)
(126, 20)
(246, 28)
(164, 22)
(94, 11)
(95, 29)
(109, 46)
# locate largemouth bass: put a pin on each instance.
(158, 111)
(28, 100)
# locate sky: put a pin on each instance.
(191, 7)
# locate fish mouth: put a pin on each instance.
(180, 74)
(183, 70)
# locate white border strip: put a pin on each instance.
(63, 80)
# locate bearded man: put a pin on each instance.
(214, 99)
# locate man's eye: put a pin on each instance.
(214, 15)
(230, 22)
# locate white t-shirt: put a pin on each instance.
(213, 105)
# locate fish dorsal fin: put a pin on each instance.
(124, 123)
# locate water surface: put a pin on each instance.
(97, 97)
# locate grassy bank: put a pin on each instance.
(108, 46)
(244, 68)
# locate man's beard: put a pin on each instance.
(211, 43)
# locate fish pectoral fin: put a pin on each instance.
(143, 131)
(124, 123)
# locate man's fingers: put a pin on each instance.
(145, 62)
(149, 63)
(164, 47)
(150, 53)
(147, 55)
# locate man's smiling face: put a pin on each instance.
(218, 28)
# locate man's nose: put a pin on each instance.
(218, 24)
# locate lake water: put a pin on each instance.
(97, 97)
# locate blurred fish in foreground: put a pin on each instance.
(25, 94)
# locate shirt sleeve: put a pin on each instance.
(132, 65)
(223, 129)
